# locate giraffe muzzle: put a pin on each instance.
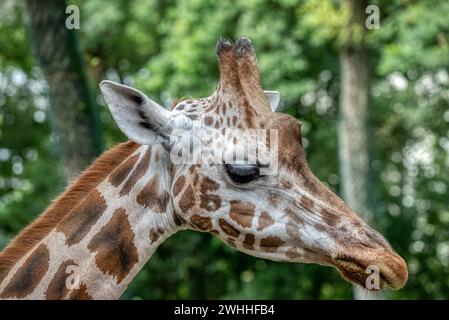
(373, 270)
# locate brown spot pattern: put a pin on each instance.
(179, 184)
(28, 276)
(329, 217)
(63, 205)
(209, 201)
(285, 184)
(150, 197)
(120, 174)
(178, 221)
(306, 203)
(57, 288)
(209, 185)
(187, 201)
(265, 220)
(208, 120)
(80, 294)
(192, 168)
(79, 222)
(200, 222)
(138, 173)
(271, 243)
(228, 228)
(242, 213)
(155, 233)
(248, 243)
(116, 253)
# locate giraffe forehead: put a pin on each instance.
(220, 110)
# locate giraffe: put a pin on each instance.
(94, 238)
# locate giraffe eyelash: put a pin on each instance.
(242, 173)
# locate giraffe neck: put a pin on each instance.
(97, 249)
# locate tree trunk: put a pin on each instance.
(74, 112)
(354, 136)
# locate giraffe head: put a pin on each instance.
(239, 171)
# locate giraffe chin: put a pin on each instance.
(392, 272)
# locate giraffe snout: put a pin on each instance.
(373, 268)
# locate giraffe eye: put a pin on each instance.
(242, 173)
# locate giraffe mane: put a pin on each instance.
(63, 205)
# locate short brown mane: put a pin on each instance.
(64, 204)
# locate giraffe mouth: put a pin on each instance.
(373, 276)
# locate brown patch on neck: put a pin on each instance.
(78, 223)
(63, 205)
(122, 172)
(57, 289)
(28, 275)
(80, 294)
(179, 184)
(138, 173)
(150, 197)
(116, 253)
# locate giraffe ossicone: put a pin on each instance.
(93, 240)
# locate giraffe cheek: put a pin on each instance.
(210, 202)
(242, 213)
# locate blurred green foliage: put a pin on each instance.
(166, 48)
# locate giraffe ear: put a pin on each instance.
(140, 118)
(274, 97)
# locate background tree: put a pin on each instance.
(73, 109)
(354, 134)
